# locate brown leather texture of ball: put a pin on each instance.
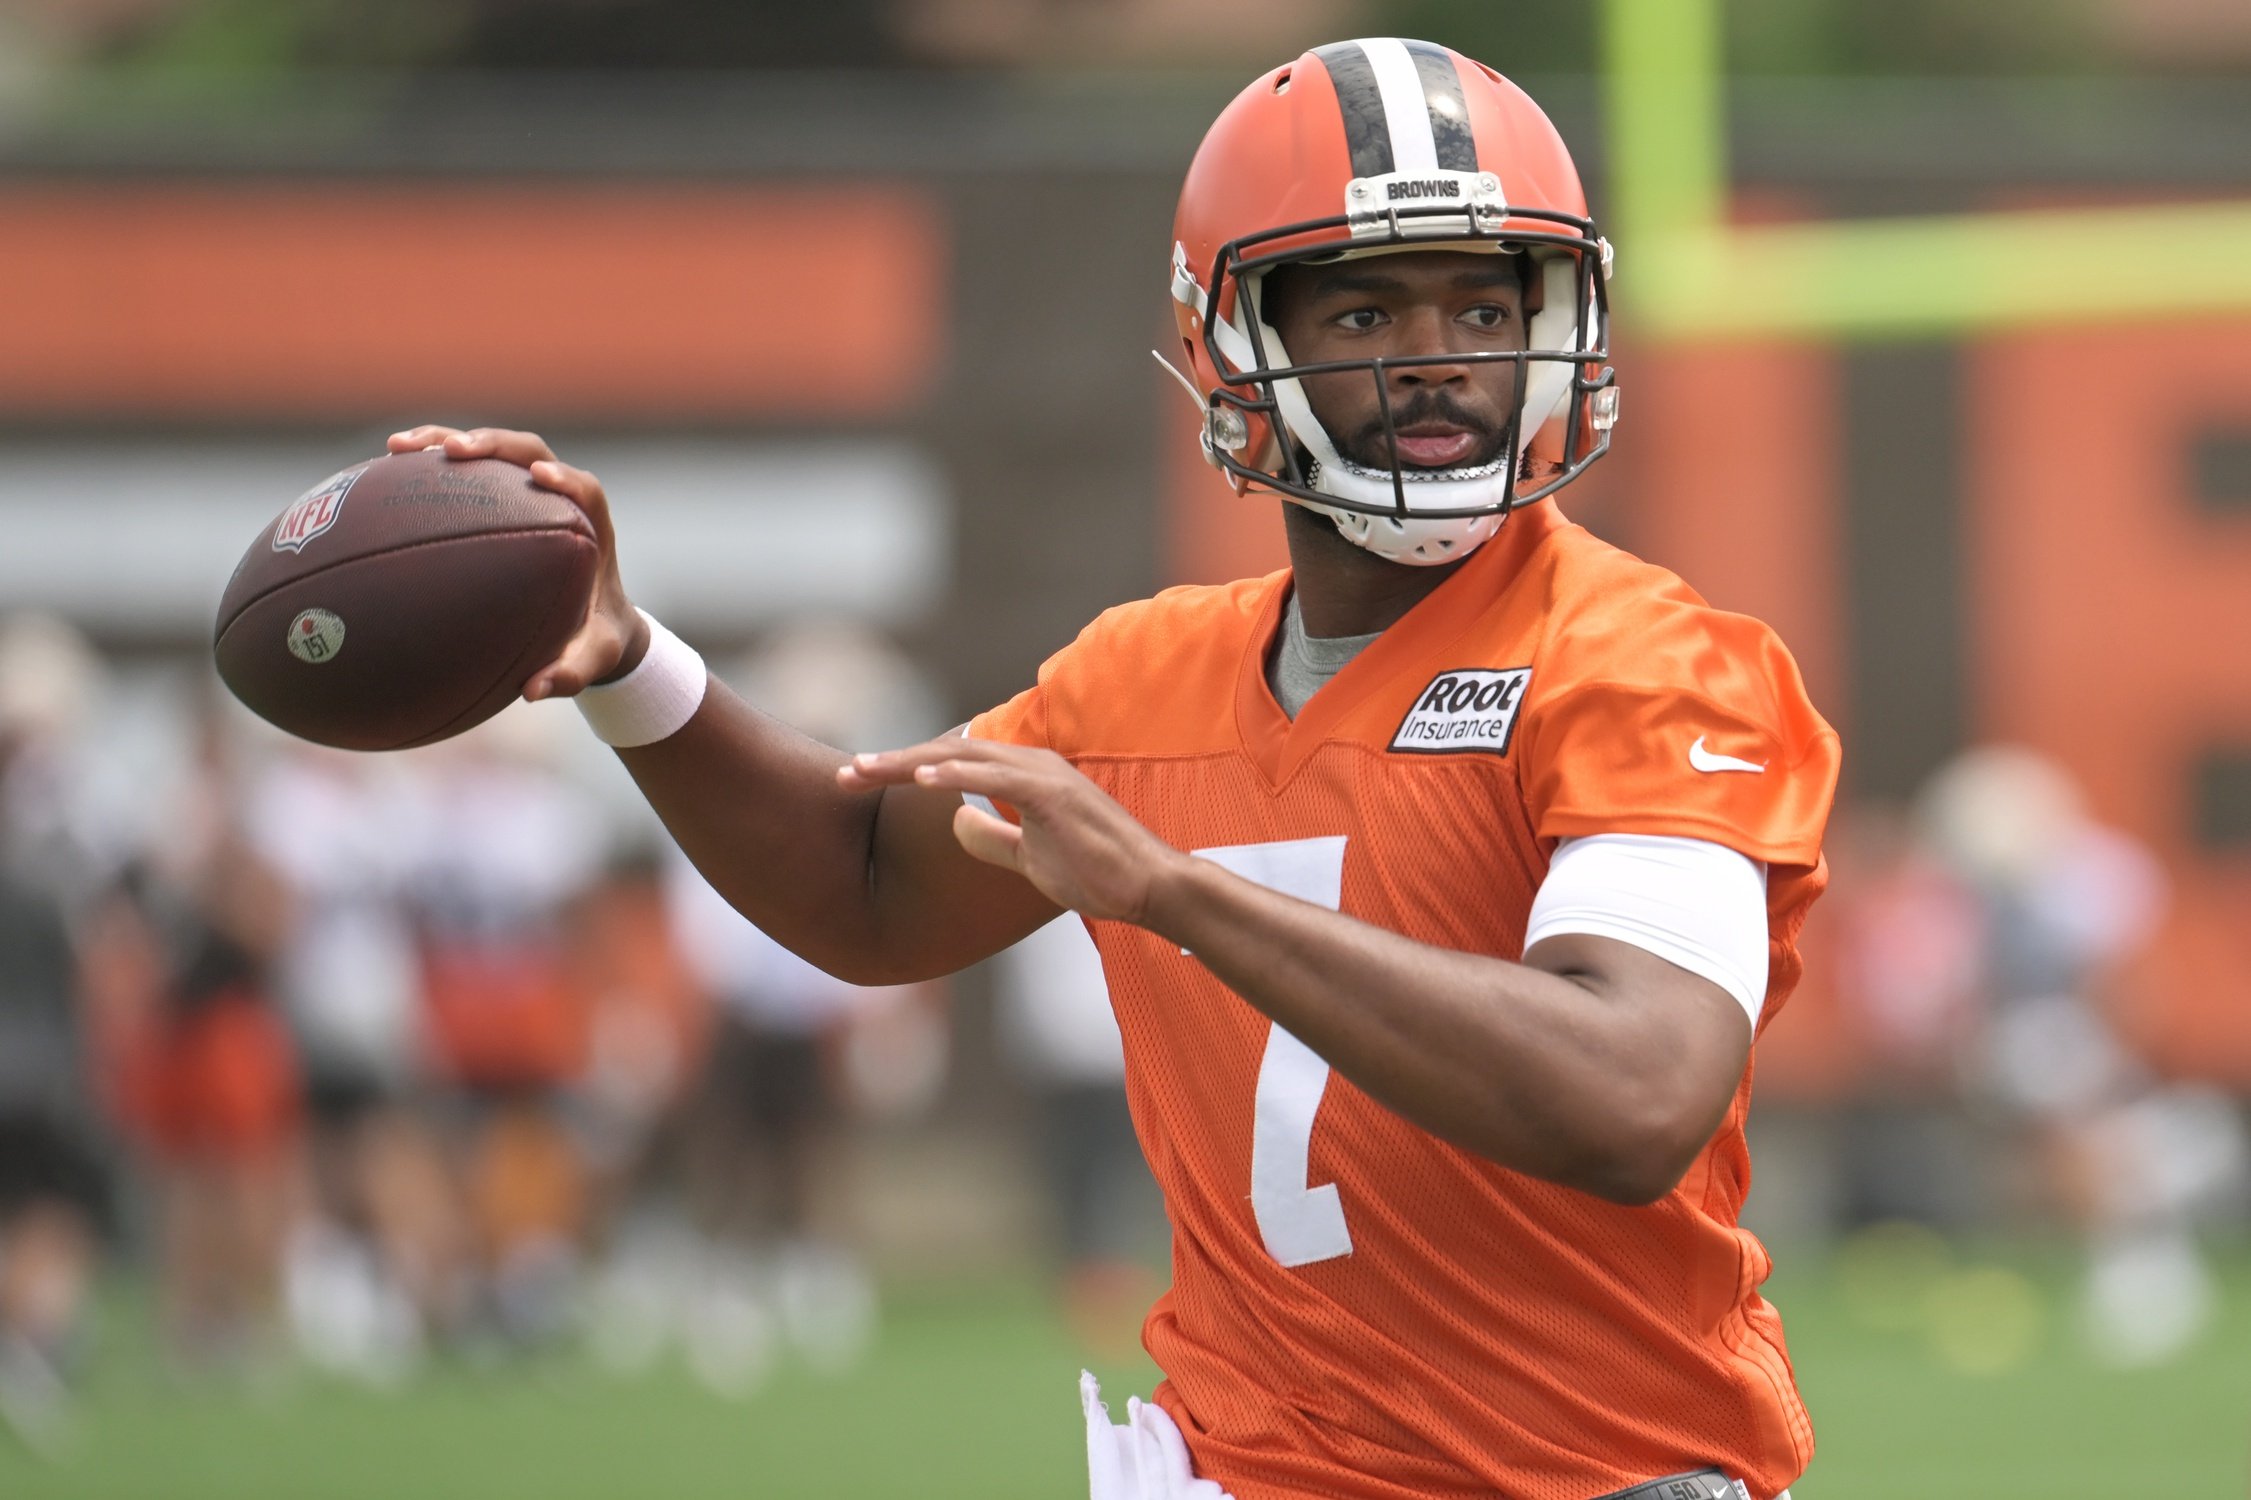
(404, 600)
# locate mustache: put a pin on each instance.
(1369, 445)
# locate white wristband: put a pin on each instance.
(652, 701)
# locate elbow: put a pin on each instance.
(1643, 1154)
(1633, 1184)
(849, 969)
(865, 968)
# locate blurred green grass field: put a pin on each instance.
(970, 1393)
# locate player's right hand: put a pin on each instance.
(613, 637)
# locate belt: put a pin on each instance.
(1698, 1484)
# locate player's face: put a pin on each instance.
(1448, 415)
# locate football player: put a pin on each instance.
(1442, 880)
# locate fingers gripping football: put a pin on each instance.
(611, 639)
(1077, 845)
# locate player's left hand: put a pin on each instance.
(1076, 844)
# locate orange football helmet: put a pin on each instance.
(1366, 148)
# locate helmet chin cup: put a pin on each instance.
(1417, 541)
(1373, 521)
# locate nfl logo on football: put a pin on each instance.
(314, 512)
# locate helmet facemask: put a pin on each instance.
(1563, 390)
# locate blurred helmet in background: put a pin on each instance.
(840, 681)
(1999, 814)
(50, 678)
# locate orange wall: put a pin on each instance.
(2114, 621)
(271, 302)
(1733, 459)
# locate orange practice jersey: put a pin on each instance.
(1358, 1308)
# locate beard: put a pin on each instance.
(1368, 448)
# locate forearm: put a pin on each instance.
(1535, 1070)
(866, 884)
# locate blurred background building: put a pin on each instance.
(385, 1069)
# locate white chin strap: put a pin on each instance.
(1425, 541)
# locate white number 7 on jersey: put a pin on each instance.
(1299, 1223)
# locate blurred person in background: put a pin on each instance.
(790, 1047)
(647, 1037)
(763, 1132)
(505, 849)
(54, 1191)
(181, 951)
(1906, 936)
(2064, 905)
(1056, 1019)
(368, 1265)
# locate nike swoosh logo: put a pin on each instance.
(1706, 760)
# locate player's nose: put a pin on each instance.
(1428, 336)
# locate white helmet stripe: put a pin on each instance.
(1406, 110)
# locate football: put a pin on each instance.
(404, 600)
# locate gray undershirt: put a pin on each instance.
(1302, 664)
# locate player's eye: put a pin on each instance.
(1362, 319)
(1489, 315)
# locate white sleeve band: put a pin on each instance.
(1697, 905)
(651, 702)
